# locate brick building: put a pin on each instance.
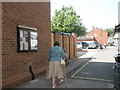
(99, 35)
(18, 65)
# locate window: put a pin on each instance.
(95, 35)
(100, 37)
(27, 39)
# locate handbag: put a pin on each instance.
(62, 62)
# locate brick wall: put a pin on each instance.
(75, 47)
(0, 45)
(66, 43)
(15, 65)
(52, 39)
(98, 35)
(58, 37)
(71, 47)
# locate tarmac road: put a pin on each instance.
(98, 73)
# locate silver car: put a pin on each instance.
(92, 46)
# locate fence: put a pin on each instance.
(67, 41)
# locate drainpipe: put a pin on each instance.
(30, 69)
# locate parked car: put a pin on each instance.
(84, 45)
(97, 44)
(111, 43)
(101, 47)
(79, 45)
(92, 46)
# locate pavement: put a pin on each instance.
(43, 82)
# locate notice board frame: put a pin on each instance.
(27, 39)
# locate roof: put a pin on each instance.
(96, 29)
(85, 38)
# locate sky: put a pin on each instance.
(98, 13)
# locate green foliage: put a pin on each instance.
(66, 20)
(110, 31)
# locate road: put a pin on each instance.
(98, 73)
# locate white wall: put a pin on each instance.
(119, 12)
(119, 23)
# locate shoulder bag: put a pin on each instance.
(62, 62)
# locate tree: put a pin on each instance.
(66, 20)
(110, 31)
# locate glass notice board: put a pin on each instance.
(27, 39)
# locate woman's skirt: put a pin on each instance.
(55, 69)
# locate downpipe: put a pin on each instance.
(33, 75)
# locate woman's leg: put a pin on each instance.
(53, 82)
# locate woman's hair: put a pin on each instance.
(56, 43)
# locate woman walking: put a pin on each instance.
(54, 58)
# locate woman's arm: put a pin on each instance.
(63, 55)
(49, 55)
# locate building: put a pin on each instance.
(99, 35)
(26, 39)
(116, 39)
(86, 38)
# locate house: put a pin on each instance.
(99, 35)
(85, 38)
(26, 39)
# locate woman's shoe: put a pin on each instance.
(54, 86)
(61, 81)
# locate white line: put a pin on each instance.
(79, 69)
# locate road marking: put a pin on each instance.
(79, 70)
(98, 79)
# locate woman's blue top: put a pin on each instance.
(56, 53)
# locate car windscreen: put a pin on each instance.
(85, 43)
(78, 42)
(91, 43)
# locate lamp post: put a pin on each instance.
(101, 40)
(117, 30)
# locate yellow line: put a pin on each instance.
(93, 79)
(79, 70)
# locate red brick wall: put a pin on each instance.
(99, 33)
(15, 65)
(71, 43)
(66, 43)
(52, 39)
(0, 45)
(58, 37)
(75, 47)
